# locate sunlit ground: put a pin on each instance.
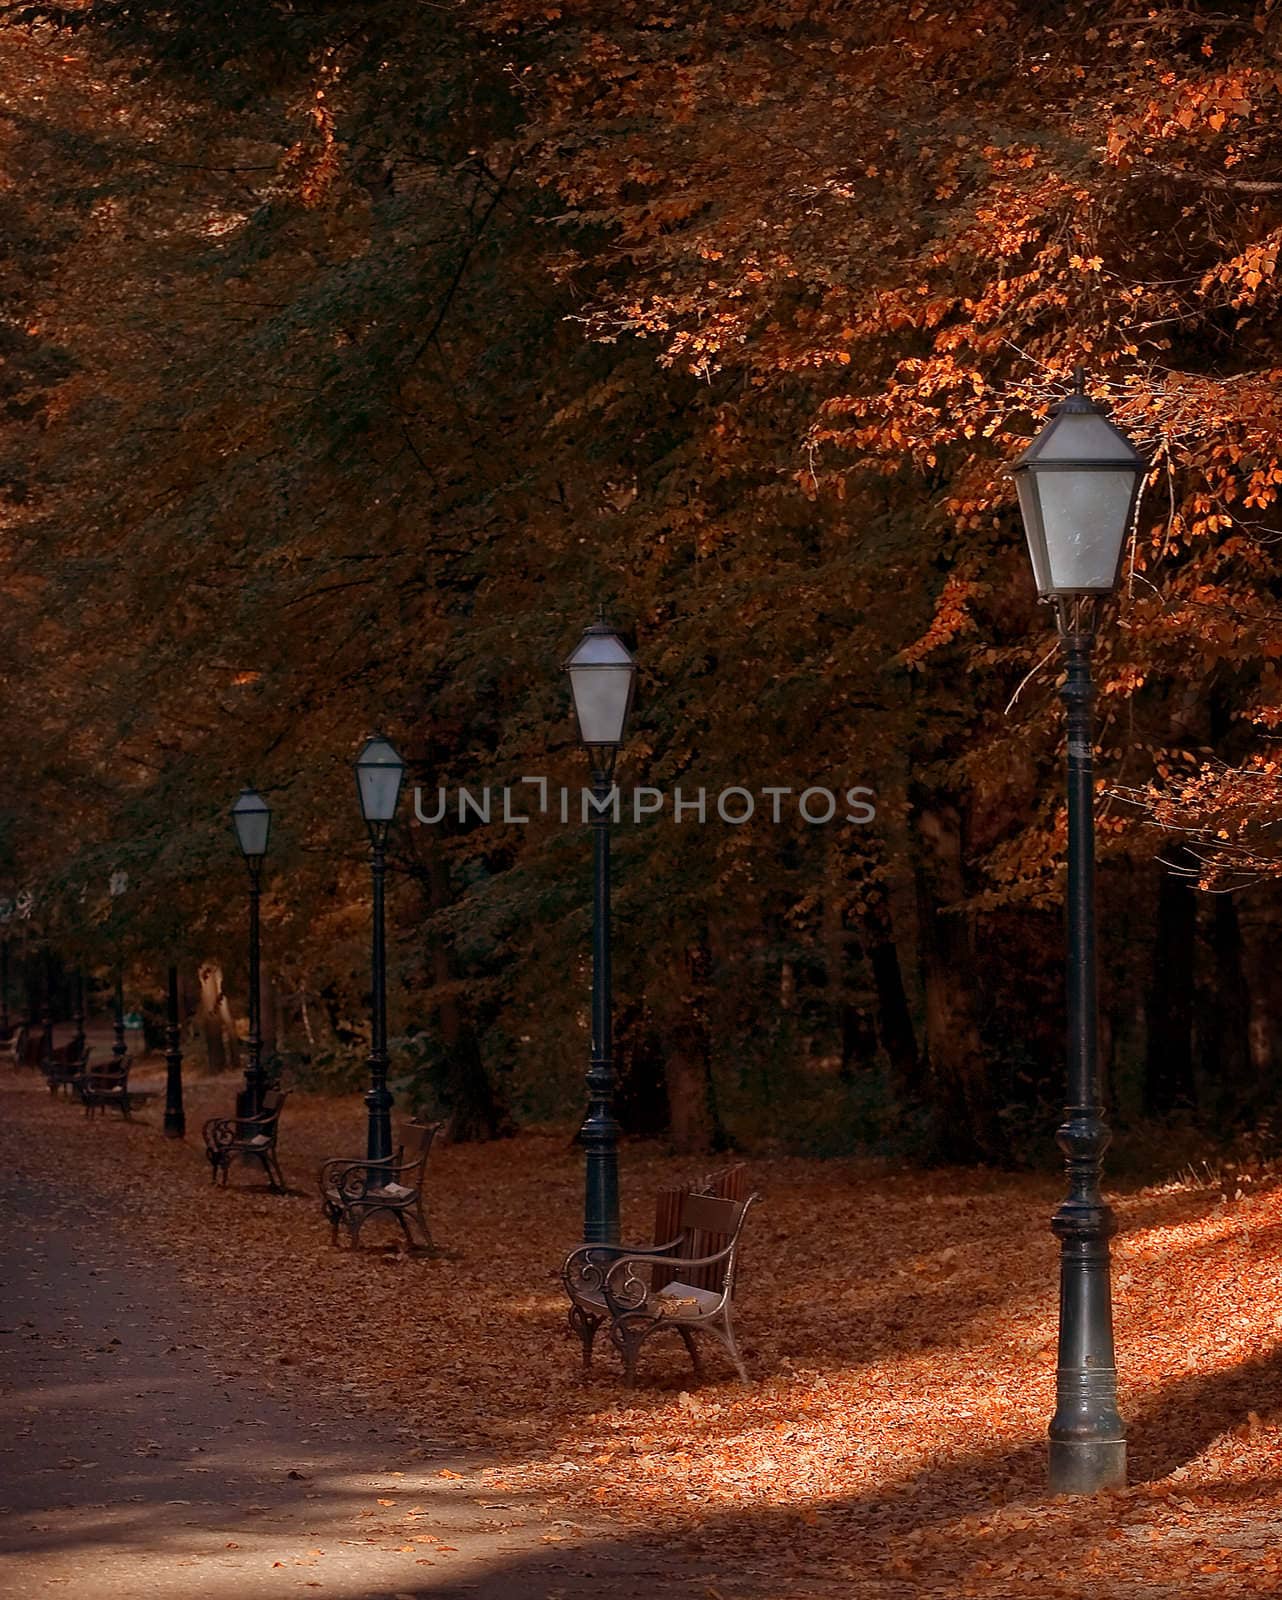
(898, 1328)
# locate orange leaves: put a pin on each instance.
(902, 1435)
(952, 617)
(1180, 106)
(312, 164)
(1247, 271)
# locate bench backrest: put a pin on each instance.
(113, 1074)
(704, 1228)
(273, 1104)
(415, 1151)
(73, 1054)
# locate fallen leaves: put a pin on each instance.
(894, 1427)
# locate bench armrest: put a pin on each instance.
(350, 1177)
(587, 1268)
(265, 1121)
(100, 1082)
(612, 1252)
(220, 1133)
(625, 1289)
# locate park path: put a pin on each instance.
(136, 1461)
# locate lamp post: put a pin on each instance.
(117, 884)
(6, 916)
(1078, 484)
(252, 818)
(24, 904)
(175, 1117)
(78, 1016)
(46, 1008)
(379, 775)
(602, 675)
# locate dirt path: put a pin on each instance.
(135, 1462)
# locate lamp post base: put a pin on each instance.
(1087, 1466)
(378, 1138)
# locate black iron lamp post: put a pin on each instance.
(46, 1009)
(252, 819)
(24, 904)
(1078, 485)
(379, 775)
(117, 885)
(6, 916)
(602, 675)
(175, 1117)
(119, 1048)
(78, 1016)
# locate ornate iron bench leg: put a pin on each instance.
(627, 1339)
(692, 1350)
(585, 1325)
(407, 1217)
(726, 1334)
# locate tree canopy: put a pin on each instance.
(354, 354)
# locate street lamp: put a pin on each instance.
(117, 884)
(175, 1118)
(24, 904)
(379, 774)
(1078, 484)
(6, 916)
(46, 1007)
(252, 818)
(78, 1016)
(602, 675)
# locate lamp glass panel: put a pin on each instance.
(1084, 516)
(379, 773)
(252, 818)
(1031, 512)
(601, 672)
(1082, 436)
(600, 650)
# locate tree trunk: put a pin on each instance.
(215, 1020)
(969, 1129)
(1226, 1050)
(680, 1007)
(1168, 1061)
(470, 1101)
(894, 1021)
(1260, 922)
(858, 1039)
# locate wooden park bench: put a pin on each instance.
(352, 1191)
(254, 1138)
(107, 1085)
(66, 1066)
(684, 1286)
